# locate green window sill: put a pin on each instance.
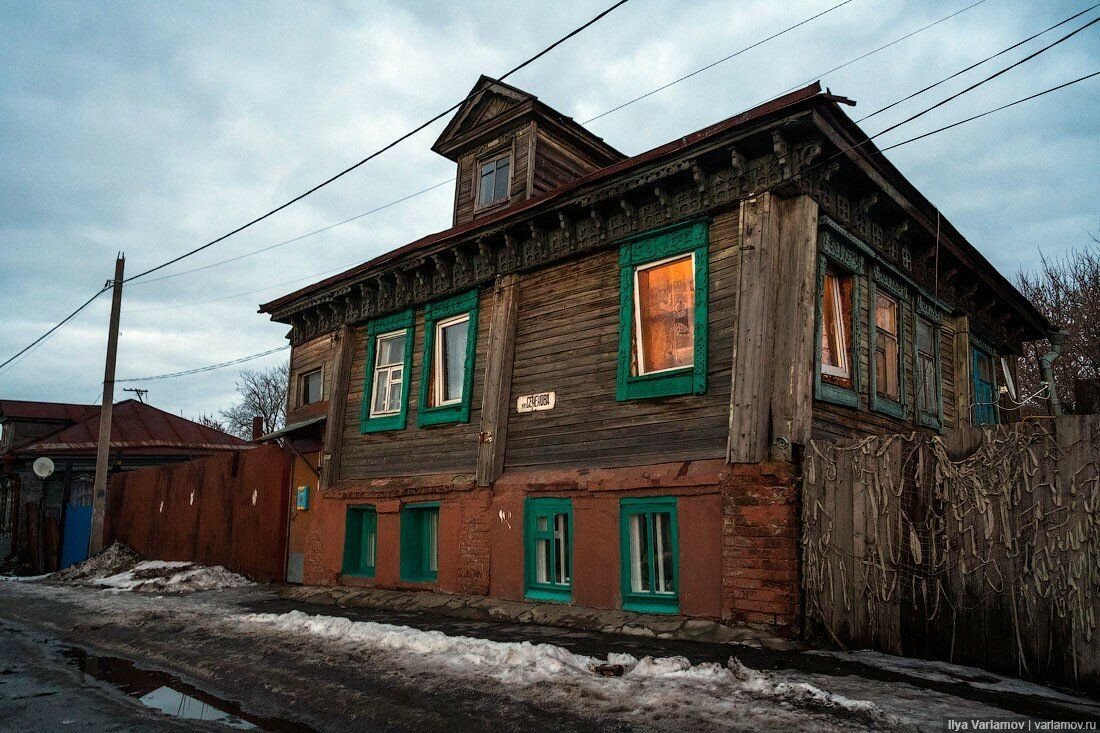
(888, 407)
(652, 604)
(358, 574)
(827, 392)
(382, 424)
(667, 384)
(552, 595)
(420, 579)
(458, 413)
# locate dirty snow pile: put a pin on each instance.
(648, 686)
(120, 568)
(115, 559)
(160, 576)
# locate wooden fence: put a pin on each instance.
(978, 546)
(229, 509)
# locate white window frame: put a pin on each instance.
(438, 387)
(639, 352)
(388, 371)
(842, 371)
(320, 371)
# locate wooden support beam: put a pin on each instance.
(497, 398)
(793, 320)
(961, 357)
(337, 404)
(754, 328)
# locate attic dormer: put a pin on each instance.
(509, 146)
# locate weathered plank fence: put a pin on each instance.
(229, 509)
(978, 546)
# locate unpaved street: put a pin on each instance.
(241, 657)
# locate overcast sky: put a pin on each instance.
(154, 127)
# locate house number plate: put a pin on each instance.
(536, 402)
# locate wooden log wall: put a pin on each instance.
(979, 547)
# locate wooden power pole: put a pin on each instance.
(99, 491)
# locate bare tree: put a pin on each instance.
(1067, 292)
(263, 393)
(211, 421)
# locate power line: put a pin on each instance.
(989, 112)
(378, 152)
(979, 63)
(883, 47)
(298, 238)
(716, 63)
(46, 335)
(207, 368)
(895, 145)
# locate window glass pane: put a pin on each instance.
(561, 549)
(542, 560)
(310, 387)
(665, 316)
(433, 539)
(500, 187)
(453, 343)
(391, 350)
(663, 560)
(639, 553)
(886, 347)
(542, 523)
(368, 555)
(834, 327)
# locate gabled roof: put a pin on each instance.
(491, 105)
(135, 425)
(45, 411)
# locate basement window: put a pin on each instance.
(386, 381)
(493, 180)
(663, 313)
(310, 387)
(648, 545)
(420, 542)
(450, 331)
(360, 541)
(548, 545)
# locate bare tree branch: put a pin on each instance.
(263, 393)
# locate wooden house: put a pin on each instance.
(596, 386)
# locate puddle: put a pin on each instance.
(172, 696)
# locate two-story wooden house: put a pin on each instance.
(595, 387)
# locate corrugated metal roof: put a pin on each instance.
(135, 424)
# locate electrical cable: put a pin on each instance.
(207, 368)
(376, 153)
(46, 335)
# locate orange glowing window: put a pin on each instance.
(664, 315)
(836, 329)
(887, 353)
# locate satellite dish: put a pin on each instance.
(43, 467)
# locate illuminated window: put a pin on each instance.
(664, 315)
(887, 352)
(836, 329)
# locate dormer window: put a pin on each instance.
(493, 179)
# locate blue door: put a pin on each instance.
(78, 529)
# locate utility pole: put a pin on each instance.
(99, 490)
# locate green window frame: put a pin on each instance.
(649, 554)
(420, 542)
(439, 311)
(986, 406)
(932, 418)
(548, 549)
(647, 249)
(360, 541)
(880, 403)
(403, 321)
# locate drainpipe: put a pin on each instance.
(1057, 338)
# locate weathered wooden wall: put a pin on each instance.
(567, 341)
(413, 451)
(981, 546)
(228, 510)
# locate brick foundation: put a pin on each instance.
(760, 582)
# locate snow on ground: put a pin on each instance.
(114, 559)
(159, 576)
(665, 687)
(23, 578)
(937, 671)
